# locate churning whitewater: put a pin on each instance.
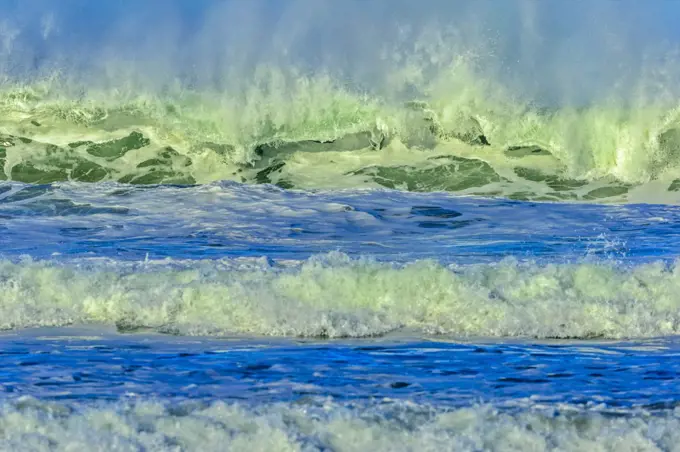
(283, 427)
(334, 297)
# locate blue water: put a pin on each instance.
(232, 220)
(449, 374)
(252, 317)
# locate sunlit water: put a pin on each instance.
(235, 316)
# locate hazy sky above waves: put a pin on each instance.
(573, 43)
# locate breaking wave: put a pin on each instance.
(437, 113)
(333, 296)
(308, 132)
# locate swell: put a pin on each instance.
(334, 296)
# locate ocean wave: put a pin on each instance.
(443, 97)
(334, 296)
(29, 424)
(311, 133)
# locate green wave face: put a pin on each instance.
(87, 161)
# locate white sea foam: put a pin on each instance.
(29, 424)
(336, 296)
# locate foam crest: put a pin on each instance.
(28, 424)
(335, 296)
